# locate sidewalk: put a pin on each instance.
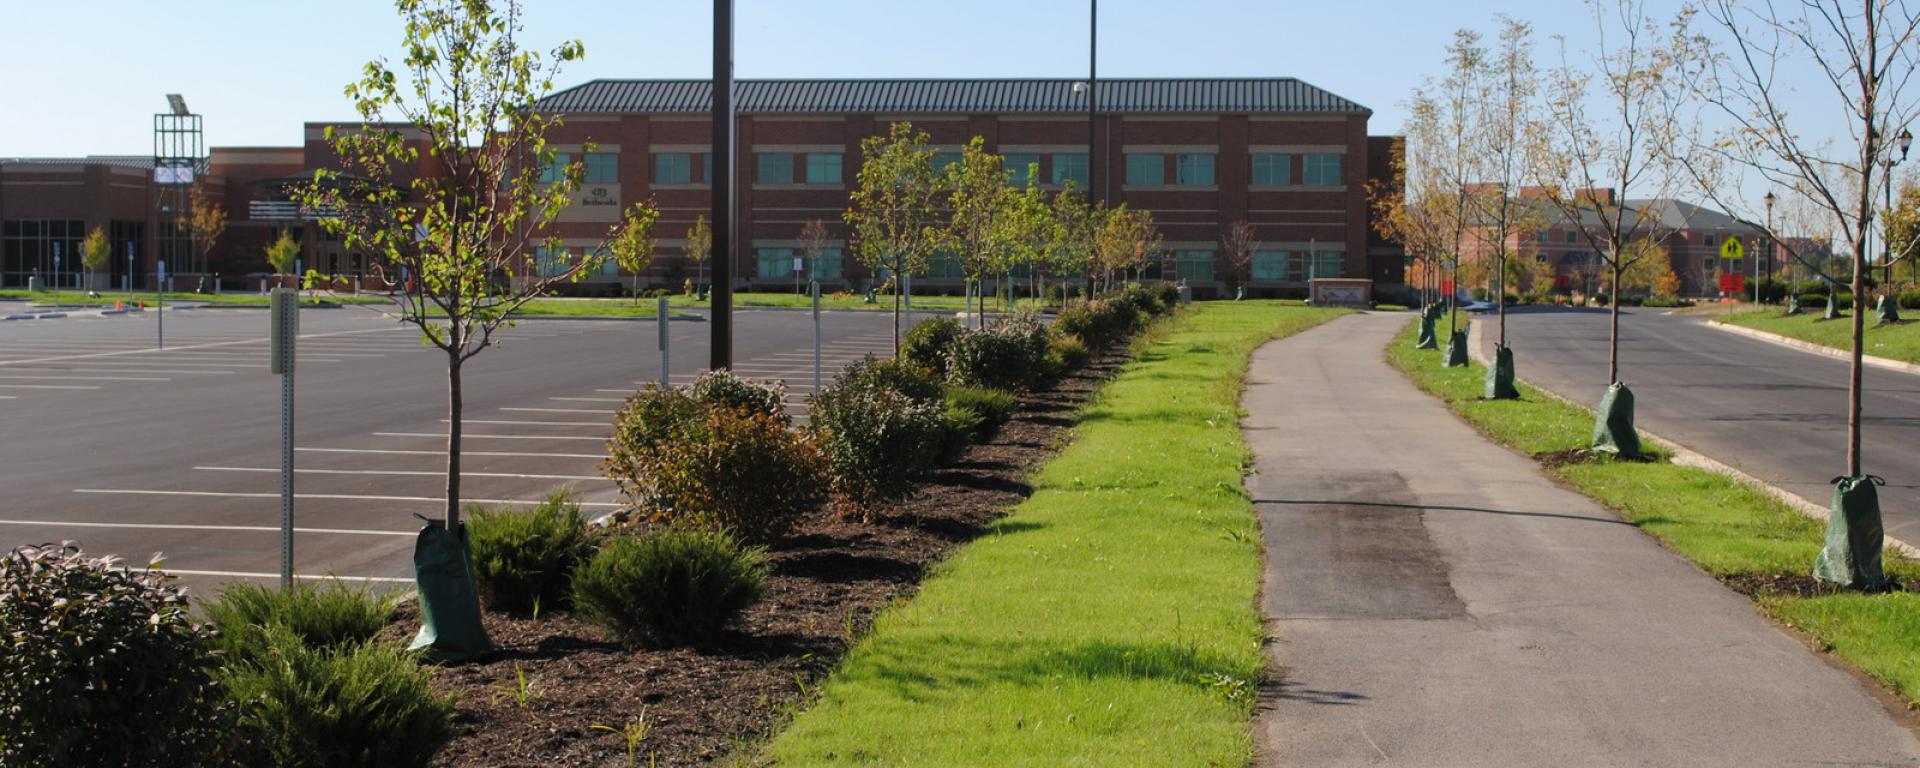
(1435, 600)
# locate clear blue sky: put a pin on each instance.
(85, 76)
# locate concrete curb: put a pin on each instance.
(1688, 457)
(1818, 349)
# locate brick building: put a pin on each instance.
(1289, 158)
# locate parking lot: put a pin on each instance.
(131, 450)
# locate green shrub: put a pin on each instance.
(994, 406)
(927, 343)
(524, 558)
(672, 586)
(1910, 300)
(361, 704)
(1169, 297)
(1007, 355)
(728, 469)
(722, 388)
(649, 417)
(1139, 298)
(878, 442)
(904, 376)
(102, 665)
(1066, 352)
(322, 616)
(1813, 301)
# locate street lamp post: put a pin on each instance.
(1772, 247)
(1886, 242)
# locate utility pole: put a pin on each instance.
(722, 184)
(1093, 100)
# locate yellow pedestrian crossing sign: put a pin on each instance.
(1732, 249)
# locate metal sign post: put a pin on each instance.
(160, 303)
(661, 310)
(813, 287)
(280, 345)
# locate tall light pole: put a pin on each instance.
(1886, 221)
(721, 322)
(1773, 248)
(1093, 98)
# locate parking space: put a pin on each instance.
(177, 451)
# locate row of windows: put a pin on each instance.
(779, 263)
(601, 168)
(1195, 169)
(1269, 170)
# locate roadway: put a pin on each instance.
(130, 450)
(1774, 412)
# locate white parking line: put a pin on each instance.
(403, 473)
(443, 436)
(90, 378)
(462, 453)
(329, 496)
(49, 386)
(589, 399)
(189, 346)
(180, 527)
(531, 423)
(306, 576)
(562, 410)
(91, 369)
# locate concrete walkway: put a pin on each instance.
(1436, 600)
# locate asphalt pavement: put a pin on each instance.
(1771, 411)
(1434, 599)
(130, 450)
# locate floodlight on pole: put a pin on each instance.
(178, 104)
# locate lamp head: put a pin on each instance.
(1906, 141)
(1770, 199)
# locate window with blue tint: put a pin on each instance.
(1018, 165)
(557, 169)
(1320, 171)
(773, 262)
(944, 265)
(602, 168)
(548, 262)
(1271, 265)
(673, 168)
(1193, 170)
(773, 167)
(608, 267)
(1193, 265)
(1146, 169)
(1070, 167)
(1320, 263)
(706, 167)
(827, 265)
(943, 159)
(823, 168)
(1272, 170)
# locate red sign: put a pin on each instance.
(1733, 283)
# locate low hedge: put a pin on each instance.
(673, 585)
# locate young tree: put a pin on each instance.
(1239, 245)
(699, 244)
(205, 220)
(465, 91)
(281, 254)
(1074, 228)
(94, 253)
(1605, 130)
(632, 245)
(813, 242)
(976, 190)
(893, 220)
(1027, 231)
(1508, 82)
(1862, 56)
(1412, 209)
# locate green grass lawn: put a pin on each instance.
(1729, 528)
(1897, 342)
(1107, 620)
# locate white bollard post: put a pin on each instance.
(661, 309)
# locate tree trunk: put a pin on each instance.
(1501, 286)
(897, 283)
(1854, 360)
(1613, 320)
(454, 407)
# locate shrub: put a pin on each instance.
(1139, 298)
(728, 469)
(878, 441)
(927, 343)
(321, 616)
(101, 665)
(1007, 355)
(365, 703)
(904, 376)
(649, 417)
(524, 558)
(1066, 352)
(991, 408)
(1813, 301)
(723, 389)
(674, 585)
(1910, 300)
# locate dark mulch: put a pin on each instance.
(704, 703)
(1789, 585)
(1587, 456)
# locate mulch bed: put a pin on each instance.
(1790, 585)
(704, 703)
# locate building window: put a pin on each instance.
(1540, 236)
(608, 266)
(944, 266)
(602, 168)
(673, 168)
(823, 168)
(1707, 240)
(1070, 167)
(773, 262)
(1271, 266)
(943, 159)
(557, 169)
(773, 167)
(1193, 170)
(827, 265)
(1571, 236)
(1706, 265)
(550, 262)
(1736, 266)
(1018, 165)
(1193, 265)
(1321, 171)
(706, 167)
(1146, 170)
(1272, 170)
(1326, 264)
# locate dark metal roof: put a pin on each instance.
(124, 161)
(1026, 96)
